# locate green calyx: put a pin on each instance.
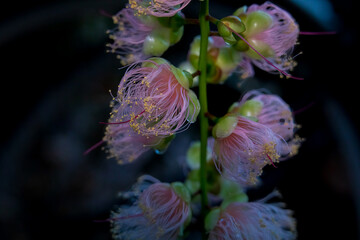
(183, 77)
(156, 43)
(193, 108)
(150, 62)
(181, 191)
(163, 145)
(193, 155)
(232, 22)
(231, 192)
(212, 218)
(225, 126)
(175, 22)
(257, 22)
(251, 108)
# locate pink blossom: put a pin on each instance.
(241, 154)
(123, 143)
(277, 115)
(158, 214)
(158, 8)
(155, 99)
(129, 36)
(254, 220)
(279, 38)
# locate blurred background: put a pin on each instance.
(56, 77)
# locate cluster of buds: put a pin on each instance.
(154, 102)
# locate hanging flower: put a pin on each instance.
(125, 145)
(158, 8)
(271, 111)
(251, 220)
(242, 147)
(158, 213)
(155, 99)
(273, 32)
(139, 37)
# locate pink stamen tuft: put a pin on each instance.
(262, 56)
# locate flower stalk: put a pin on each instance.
(204, 124)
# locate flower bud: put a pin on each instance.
(183, 77)
(156, 43)
(232, 22)
(261, 47)
(163, 145)
(257, 22)
(251, 108)
(193, 155)
(181, 191)
(193, 108)
(212, 218)
(224, 127)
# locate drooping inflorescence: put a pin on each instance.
(154, 102)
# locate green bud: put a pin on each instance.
(193, 181)
(227, 61)
(257, 22)
(156, 60)
(242, 197)
(176, 35)
(212, 218)
(188, 67)
(156, 43)
(183, 77)
(193, 108)
(193, 155)
(240, 11)
(231, 192)
(224, 127)
(263, 48)
(177, 21)
(241, 46)
(161, 147)
(251, 108)
(232, 22)
(181, 191)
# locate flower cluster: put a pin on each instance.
(154, 102)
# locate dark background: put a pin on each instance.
(56, 74)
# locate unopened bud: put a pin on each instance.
(224, 127)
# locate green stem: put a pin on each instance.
(204, 124)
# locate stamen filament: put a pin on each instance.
(272, 163)
(317, 33)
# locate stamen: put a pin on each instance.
(104, 13)
(124, 121)
(98, 144)
(317, 33)
(272, 163)
(304, 108)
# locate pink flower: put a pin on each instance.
(274, 113)
(158, 8)
(159, 212)
(154, 97)
(129, 36)
(273, 32)
(242, 147)
(254, 220)
(125, 145)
